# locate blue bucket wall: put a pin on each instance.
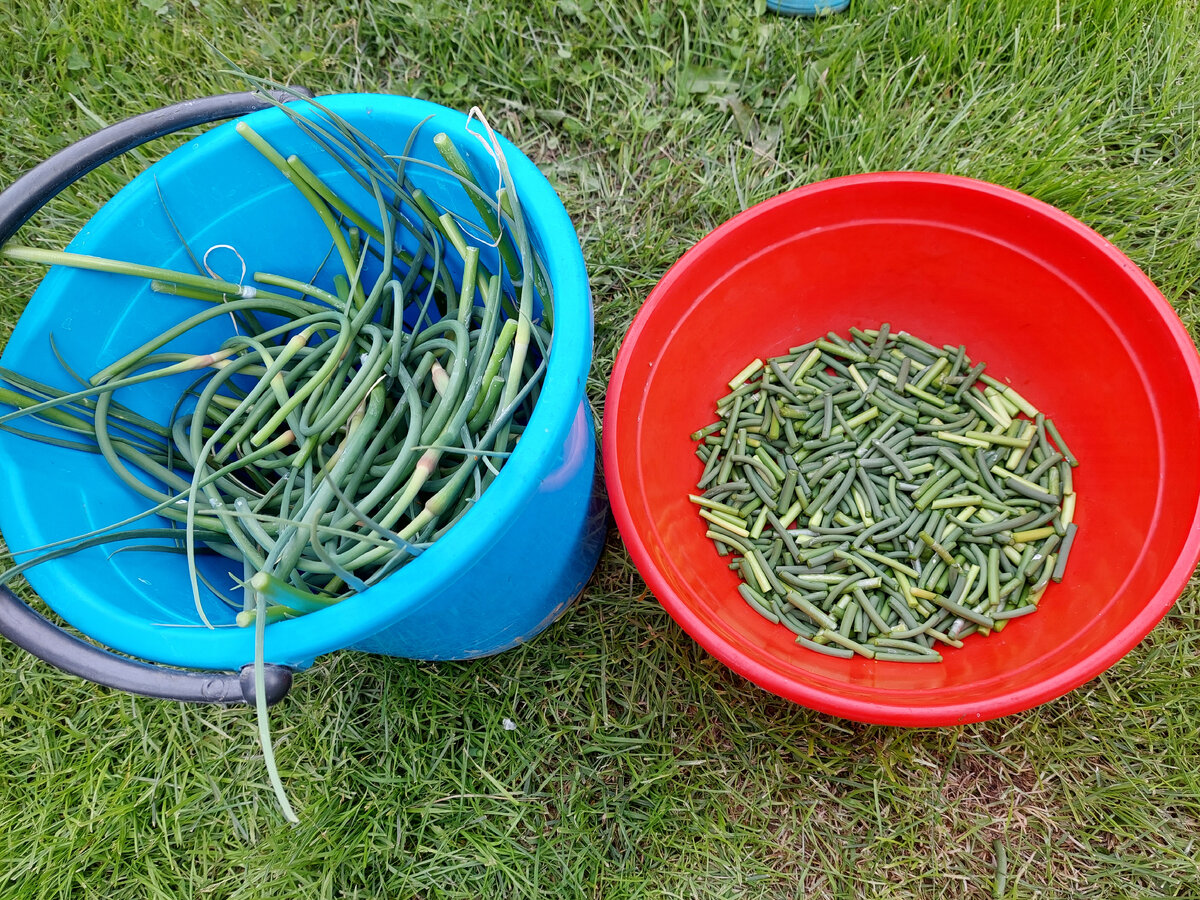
(502, 574)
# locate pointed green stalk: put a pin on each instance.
(487, 213)
(349, 263)
(118, 267)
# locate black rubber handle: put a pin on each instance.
(22, 625)
(45, 640)
(39, 185)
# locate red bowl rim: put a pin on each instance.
(854, 709)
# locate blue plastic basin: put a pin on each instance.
(501, 575)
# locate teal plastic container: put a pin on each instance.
(501, 575)
(807, 7)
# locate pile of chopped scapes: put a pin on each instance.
(335, 434)
(882, 497)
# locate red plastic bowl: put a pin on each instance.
(1046, 302)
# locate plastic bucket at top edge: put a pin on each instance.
(473, 593)
(807, 8)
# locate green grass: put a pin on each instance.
(638, 766)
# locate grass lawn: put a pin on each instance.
(638, 766)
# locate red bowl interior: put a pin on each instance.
(1047, 303)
